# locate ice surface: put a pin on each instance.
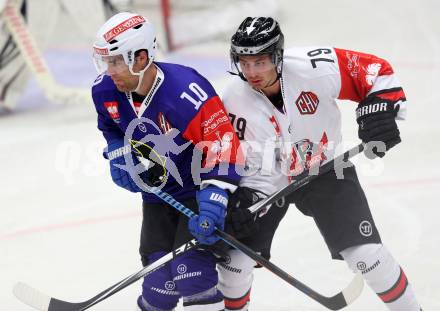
(68, 231)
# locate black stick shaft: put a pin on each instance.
(305, 177)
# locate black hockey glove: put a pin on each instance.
(240, 222)
(156, 174)
(377, 123)
(219, 249)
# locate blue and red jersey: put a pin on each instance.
(182, 119)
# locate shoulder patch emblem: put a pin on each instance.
(112, 108)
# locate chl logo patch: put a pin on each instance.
(307, 103)
(366, 228)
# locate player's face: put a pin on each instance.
(259, 70)
(118, 70)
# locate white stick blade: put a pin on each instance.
(69, 95)
(354, 289)
(31, 296)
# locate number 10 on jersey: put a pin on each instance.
(197, 92)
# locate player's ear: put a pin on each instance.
(142, 57)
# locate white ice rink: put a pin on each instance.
(67, 230)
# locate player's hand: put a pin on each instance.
(240, 222)
(212, 210)
(115, 153)
(377, 124)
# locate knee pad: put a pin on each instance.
(235, 280)
(158, 289)
(194, 272)
(383, 274)
(376, 264)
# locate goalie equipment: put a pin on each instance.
(34, 60)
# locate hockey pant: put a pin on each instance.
(383, 274)
(235, 280)
(192, 276)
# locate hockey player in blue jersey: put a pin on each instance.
(173, 113)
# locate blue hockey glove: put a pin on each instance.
(212, 211)
(115, 153)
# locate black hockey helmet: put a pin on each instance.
(257, 36)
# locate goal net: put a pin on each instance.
(30, 32)
(187, 22)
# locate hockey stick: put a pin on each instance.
(305, 177)
(40, 301)
(336, 302)
(43, 302)
(26, 44)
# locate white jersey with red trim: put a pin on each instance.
(308, 130)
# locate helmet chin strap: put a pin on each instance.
(140, 74)
(279, 71)
(269, 84)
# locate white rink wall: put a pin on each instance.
(68, 231)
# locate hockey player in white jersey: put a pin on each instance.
(285, 102)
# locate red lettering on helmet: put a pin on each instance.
(125, 25)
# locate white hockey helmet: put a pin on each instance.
(124, 34)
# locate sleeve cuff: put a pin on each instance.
(218, 183)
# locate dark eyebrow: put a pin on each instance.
(258, 59)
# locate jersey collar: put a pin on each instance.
(158, 80)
